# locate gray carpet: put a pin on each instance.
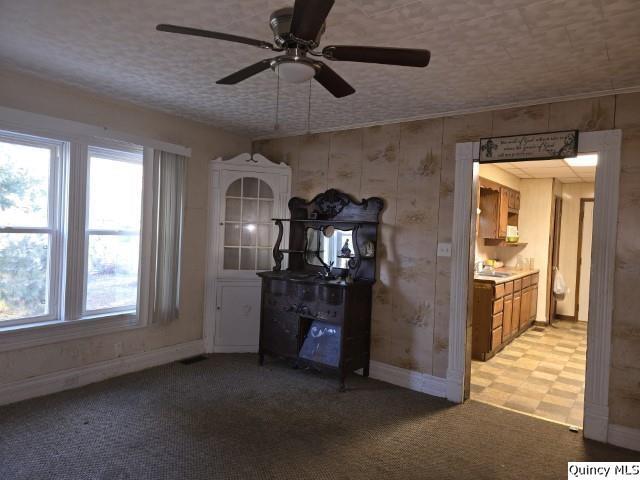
(227, 418)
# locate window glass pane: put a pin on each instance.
(250, 187)
(24, 267)
(231, 258)
(24, 185)
(265, 211)
(235, 189)
(248, 259)
(232, 234)
(249, 234)
(265, 190)
(232, 210)
(112, 276)
(249, 210)
(115, 194)
(264, 235)
(264, 259)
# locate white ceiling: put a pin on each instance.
(549, 169)
(484, 53)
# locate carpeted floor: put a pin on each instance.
(227, 418)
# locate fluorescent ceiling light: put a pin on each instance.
(590, 160)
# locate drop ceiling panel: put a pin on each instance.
(484, 53)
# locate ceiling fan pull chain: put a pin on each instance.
(276, 127)
(309, 110)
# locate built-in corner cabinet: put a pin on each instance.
(502, 310)
(246, 192)
(499, 208)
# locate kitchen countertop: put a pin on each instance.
(515, 274)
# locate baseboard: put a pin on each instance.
(235, 349)
(626, 437)
(77, 377)
(420, 382)
(566, 317)
(596, 422)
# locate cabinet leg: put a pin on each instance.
(365, 370)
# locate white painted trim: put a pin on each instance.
(35, 123)
(77, 377)
(453, 113)
(625, 437)
(419, 382)
(608, 146)
(460, 265)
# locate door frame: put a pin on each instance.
(554, 256)
(607, 144)
(576, 307)
(246, 164)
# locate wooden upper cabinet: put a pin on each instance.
(503, 219)
(498, 209)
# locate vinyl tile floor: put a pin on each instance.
(540, 373)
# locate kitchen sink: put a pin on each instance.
(495, 274)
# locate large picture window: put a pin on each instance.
(70, 229)
(29, 228)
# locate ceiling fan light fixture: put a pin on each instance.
(295, 72)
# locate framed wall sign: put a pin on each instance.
(537, 146)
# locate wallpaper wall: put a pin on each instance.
(411, 166)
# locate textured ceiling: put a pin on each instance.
(484, 52)
(559, 169)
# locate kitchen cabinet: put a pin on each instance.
(502, 310)
(499, 207)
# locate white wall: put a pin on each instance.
(31, 94)
(571, 195)
(536, 197)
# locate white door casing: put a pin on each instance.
(232, 295)
(607, 144)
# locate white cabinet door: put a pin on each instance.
(239, 314)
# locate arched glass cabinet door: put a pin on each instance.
(248, 229)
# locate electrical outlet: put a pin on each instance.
(118, 349)
(444, 249)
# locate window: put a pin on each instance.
(29, 228)
(70, 229)
(114, 200)
(248, 228)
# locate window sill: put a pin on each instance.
(44, 333)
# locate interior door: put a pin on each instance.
(554, 264)
(585, 261)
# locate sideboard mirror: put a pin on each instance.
(327, 247)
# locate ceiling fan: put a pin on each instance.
(297, 32)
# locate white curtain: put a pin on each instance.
(169, 191)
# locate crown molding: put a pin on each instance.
(453, 113)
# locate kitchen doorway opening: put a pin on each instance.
(528, 345)
(607, 145)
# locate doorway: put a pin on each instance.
(606, 144)
(523, 357)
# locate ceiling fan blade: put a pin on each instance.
(164, 27)
(245, 73)
(333, 82)
(308, 18)
(406, 57)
